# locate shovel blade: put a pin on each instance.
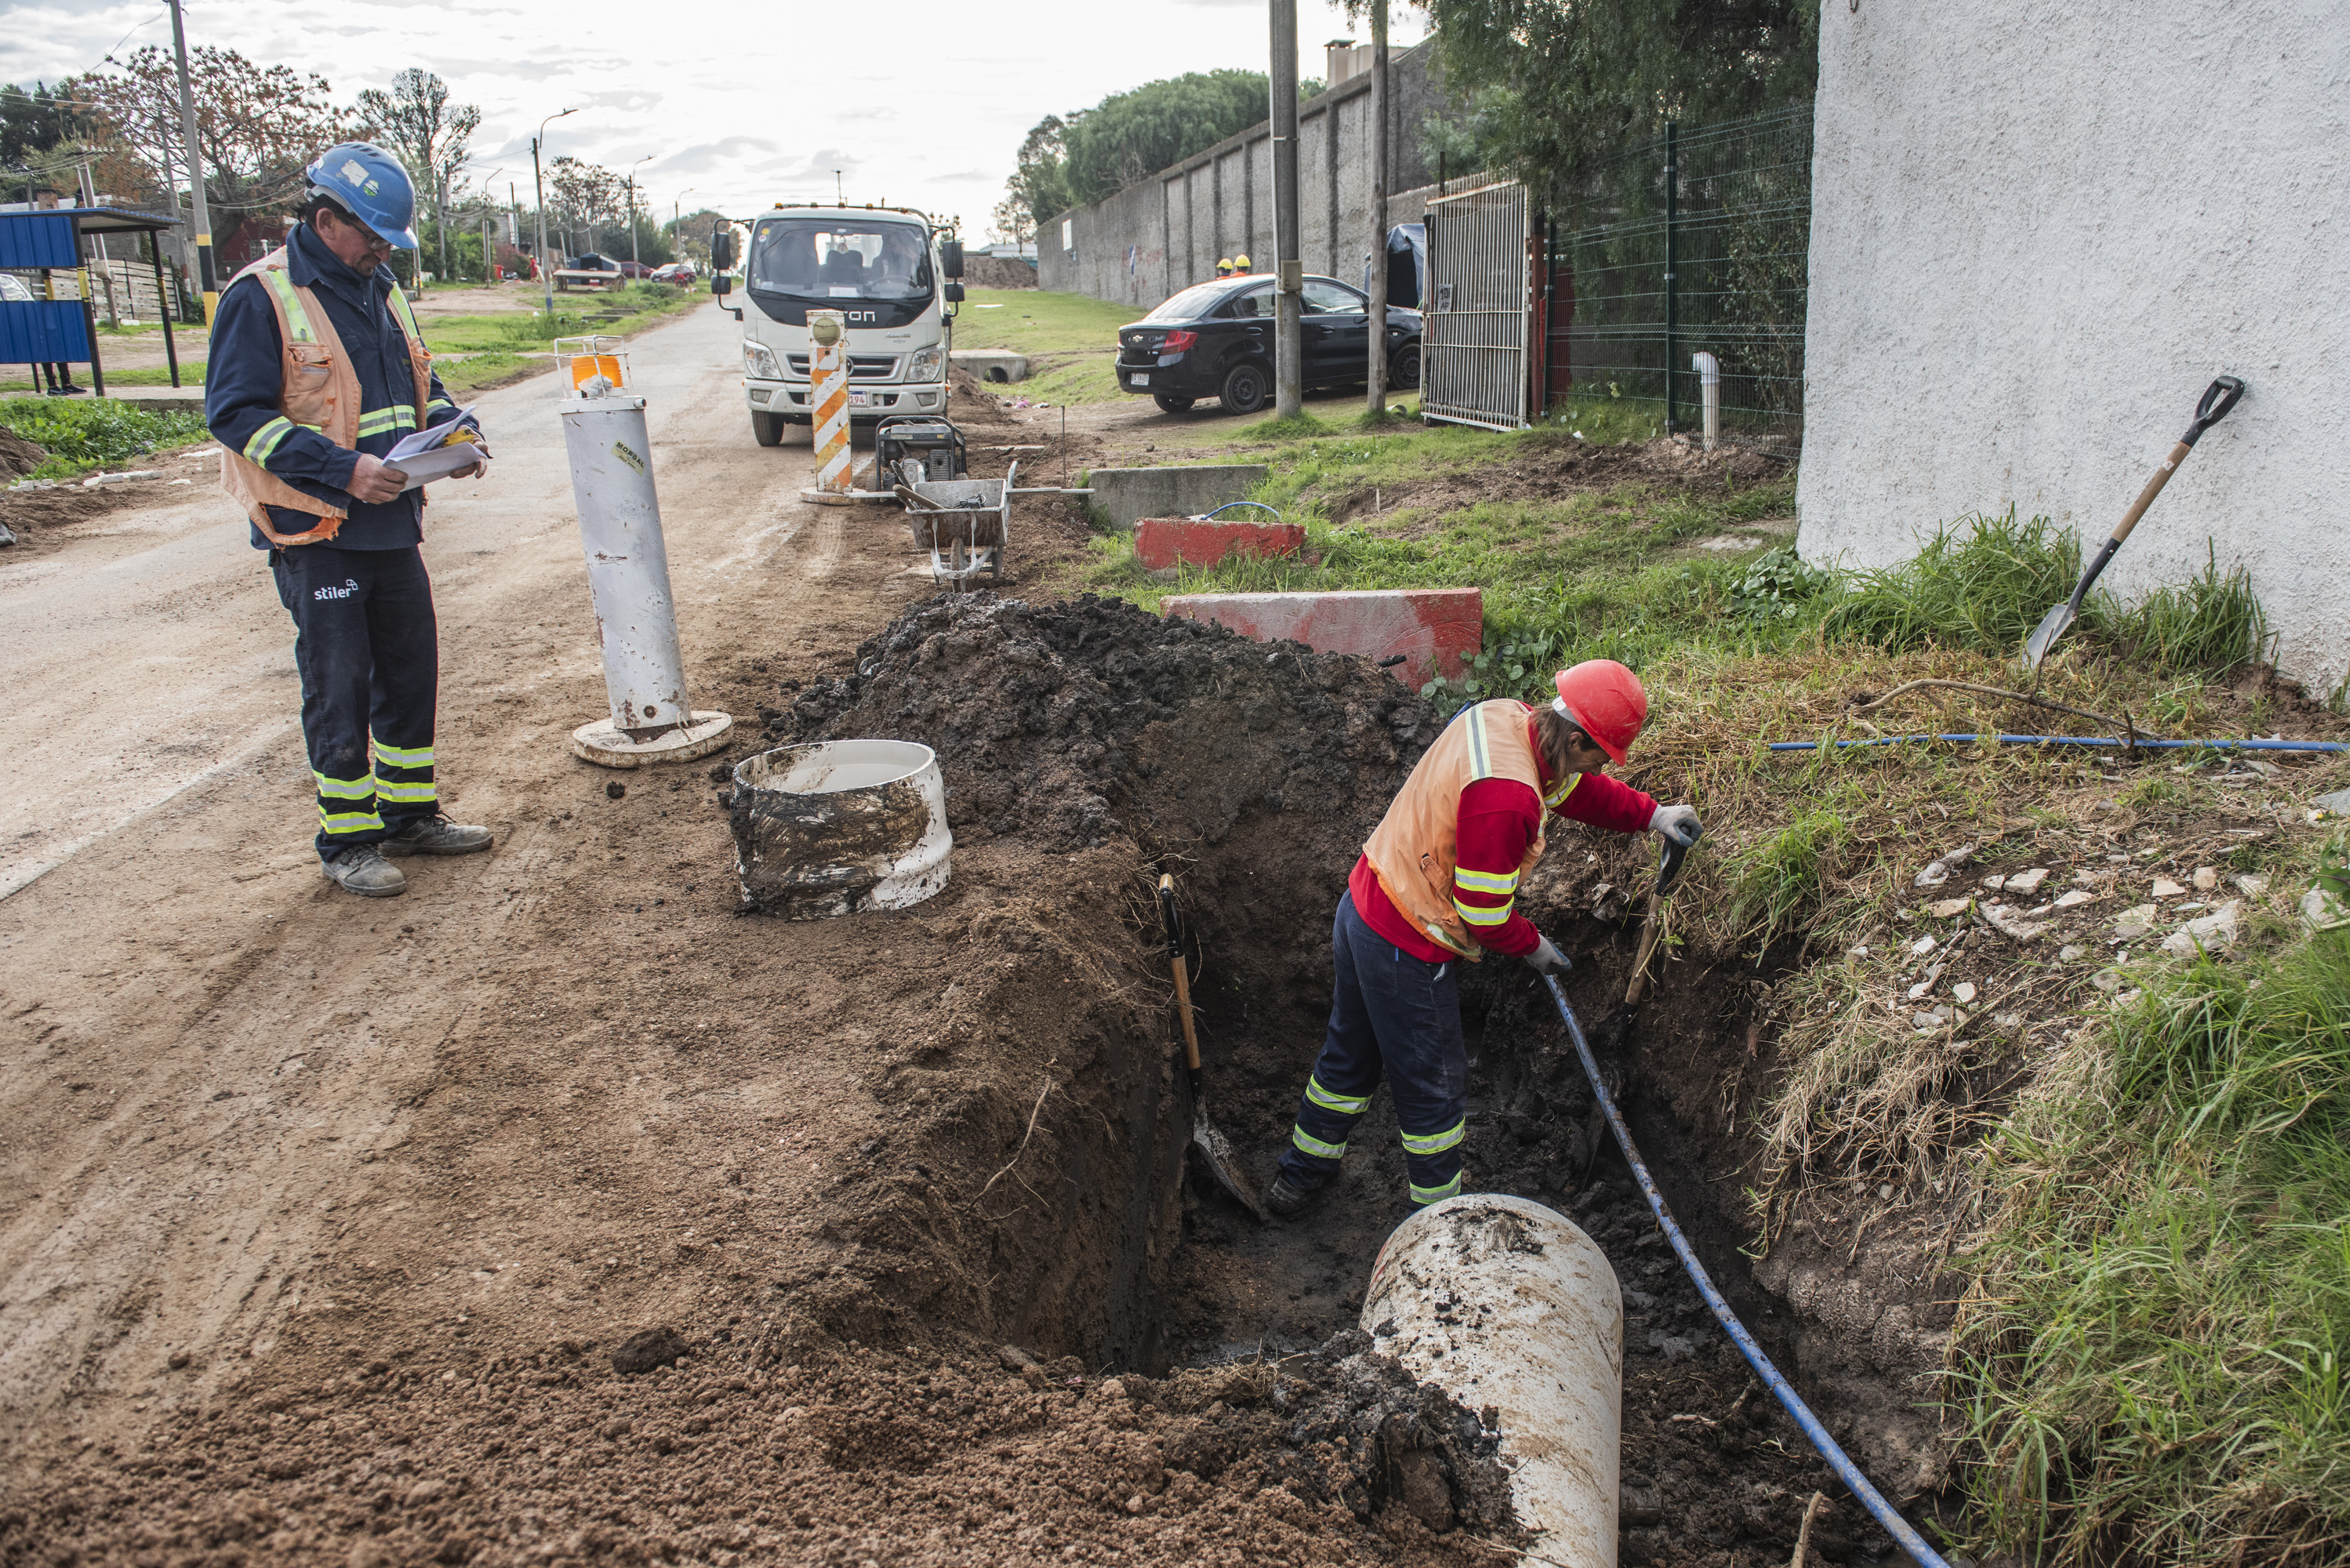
(1217, 1151)
(2052, 625)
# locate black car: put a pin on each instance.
(1215, 340)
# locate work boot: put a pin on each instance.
(364, 870)
(436, 835)
(1285, 1199)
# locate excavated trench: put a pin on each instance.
(1253, 772)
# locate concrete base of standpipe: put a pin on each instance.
(1507, 1307)
(607, 745)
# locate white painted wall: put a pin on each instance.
(2039, 229)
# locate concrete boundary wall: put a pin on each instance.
(2035, 239)
(1165, 233)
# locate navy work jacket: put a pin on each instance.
(244, 376)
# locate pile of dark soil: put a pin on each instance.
(18, 456)
(738, 1452)
(1068, 725)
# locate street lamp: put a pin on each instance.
(489, 252)
(632, 205)
(677, 204)
(538, 189)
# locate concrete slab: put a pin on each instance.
(991, 364)
(1164, 542)
(1434, 628)
(1124, 496)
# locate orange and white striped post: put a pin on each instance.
(828, 401)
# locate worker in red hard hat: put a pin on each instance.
(1436, 886)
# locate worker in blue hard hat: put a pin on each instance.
(316, 371)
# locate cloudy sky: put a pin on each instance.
(922, 103)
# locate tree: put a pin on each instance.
(426, 133)
(583, 198)
(260, 127)
(38, 127)
(1129, 135)
(1559, 84)
(1090, 153)
(1039, 188)
(690, 234)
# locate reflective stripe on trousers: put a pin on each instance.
(1392, 1017)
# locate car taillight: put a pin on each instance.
(1176, 342)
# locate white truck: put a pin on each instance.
(890, 271)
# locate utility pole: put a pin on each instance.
(1288, 360)
(1376, 373)
(538, 191)
(633, 206)
(205, 285)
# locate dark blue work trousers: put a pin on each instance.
(369, 648)
(1391, 1011)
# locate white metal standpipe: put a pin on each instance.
(1708, 380)
(628, 571)
(828, 399)
(1501, 1302)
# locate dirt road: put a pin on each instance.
(213, 1055)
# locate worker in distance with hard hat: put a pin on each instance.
(1240, 266)
(1436, 886)
(1223, 266)
(316, 371)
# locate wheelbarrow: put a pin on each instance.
(965, 523)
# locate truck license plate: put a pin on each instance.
(856, 400)
(1143, 380)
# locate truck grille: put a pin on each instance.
(861, 367)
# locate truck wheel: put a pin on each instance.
(767, 427)
(1244, 389)
(1172, 404)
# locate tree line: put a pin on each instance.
(1546, 90)
(260, 126)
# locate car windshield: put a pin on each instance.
(1192, 303)
(840, 258)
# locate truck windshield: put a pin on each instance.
(839, 258)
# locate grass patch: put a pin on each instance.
(2152, 1365)
(636, 307)
(2210, 624)
(80, 436)
(1981, 583)
(1041, 321)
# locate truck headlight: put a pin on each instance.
(928, 364)
(759, 362)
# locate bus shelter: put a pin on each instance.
(64, 331)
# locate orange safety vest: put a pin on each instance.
(318, 391)
(1413, 850)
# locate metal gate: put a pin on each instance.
(1478, 308)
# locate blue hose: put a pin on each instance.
(2081, 741)
(1228, 505)
(1871, 1499)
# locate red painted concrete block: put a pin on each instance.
(1161, 543)
(1433, 628)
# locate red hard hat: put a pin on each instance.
(1607, 701)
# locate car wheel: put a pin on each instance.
(1244, 389)
(767, 427)
(1403, 367)
(1172, 404)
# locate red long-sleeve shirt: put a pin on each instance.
(1495, 823)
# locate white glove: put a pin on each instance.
(1546, 959)
(1676, 823)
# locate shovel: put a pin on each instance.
(2218, 399)
(1665, 872)
(1213, 1146)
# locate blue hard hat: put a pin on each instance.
(370, 184)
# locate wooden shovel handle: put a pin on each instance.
(1182, 977)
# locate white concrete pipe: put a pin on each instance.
(628, 576)
(1708, 382)
(841, 827)
(1501, 1302)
